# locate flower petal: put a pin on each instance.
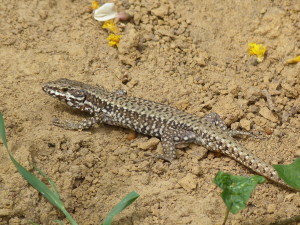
(95, 5)
(111, 26)
(293, 60)
(258, 50)
(113, 40)
(106, 12)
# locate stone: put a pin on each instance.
(189, 182)
(267, 114)
(161, 11)
(149, 144)
(245, 124)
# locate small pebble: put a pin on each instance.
(189, 182)
(196, 170)
(297, 153)
(149, 144)
(245, 124)
(161, 11)
(267, 114)
(132, 135)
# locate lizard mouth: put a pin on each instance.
(72, 99)
(52, 92)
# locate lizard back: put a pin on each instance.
(171, 125)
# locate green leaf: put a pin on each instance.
(37, 184)
(236, 189)
(59, 222)
(52, 197)
(54, 189)
(290, 173)
(2, 131)
(126, 201)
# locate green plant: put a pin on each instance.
(238, 189)
(290, 173)
(52, 195)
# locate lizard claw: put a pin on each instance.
(64, 124)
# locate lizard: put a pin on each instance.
(171, 125)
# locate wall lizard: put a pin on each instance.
(171, 125)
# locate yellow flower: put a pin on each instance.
(113, 40)
(258, 50)
(111, 26)
(293, 60)
(95, 5)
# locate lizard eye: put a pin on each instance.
(65, 89)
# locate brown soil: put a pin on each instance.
(189, 54)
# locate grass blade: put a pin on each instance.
(52, 197)
(59, 222)
(42, 188)
(126, 201)
(37, 184)
(2, 131)
(54, 189)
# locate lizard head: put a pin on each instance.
(71, 92)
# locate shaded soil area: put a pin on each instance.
(188, 54)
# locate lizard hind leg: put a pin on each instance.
(215, 119)
(170, 138)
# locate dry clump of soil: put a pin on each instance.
(187, 54)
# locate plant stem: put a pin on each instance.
(226, 216)
(72, 221)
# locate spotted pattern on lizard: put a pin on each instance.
(170, 124)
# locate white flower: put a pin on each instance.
(106, 12)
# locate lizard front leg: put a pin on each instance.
(82, 125)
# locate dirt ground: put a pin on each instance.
(189, 54)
